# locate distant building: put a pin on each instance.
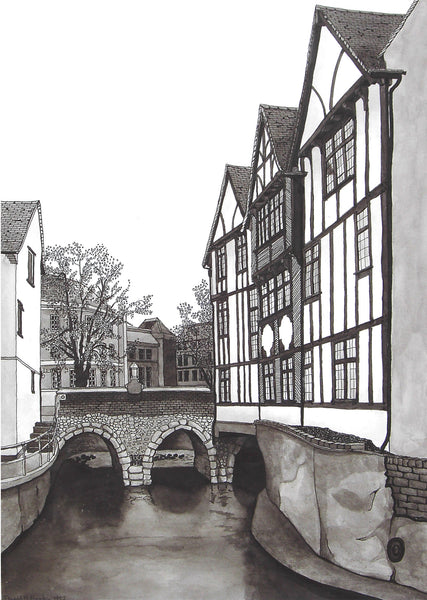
(195, 361)
(152, 347)
(21, 258)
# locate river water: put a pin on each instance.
(180, 539)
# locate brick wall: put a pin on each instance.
(407, 478)
(150, 403)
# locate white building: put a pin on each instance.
(22, 251)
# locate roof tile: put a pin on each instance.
(15, 221)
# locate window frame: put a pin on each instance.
(271, 218)
(224, 385)
(241, 254)
(346, 361)
(221, 269)
(31, 267)
(268, 380)
(312, 275)
(346, 150)
(253, 323)
(360, 231)
(91, 380)
(275, 294)
(308, 377)
(20, 311)
(288, 379)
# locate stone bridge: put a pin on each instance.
(134, 425)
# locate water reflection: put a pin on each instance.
(181, 539)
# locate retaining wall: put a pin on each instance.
(337, 499)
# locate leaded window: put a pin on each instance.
(224, 385)
(308, 376)
(339, 157)
(270, 218)
(72, 378)
(253, 322)
(312, 279)
(241, 254)
(275, 294)
(223, 319)
(288, 379)
(268, 377)
(221, 270)
(363, 240)
(345, 370)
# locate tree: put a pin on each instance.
(195, 332)
(82, 290)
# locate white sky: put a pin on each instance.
(121, 115)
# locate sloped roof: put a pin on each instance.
(139, 335)
(16, 218)
(280, 122)
(363, 34)
(239, 178)
(155, 323)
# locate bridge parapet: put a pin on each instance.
(135, 425)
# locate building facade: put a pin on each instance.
(152, 347)
(22, 255)
(235, 307)
(323, 238)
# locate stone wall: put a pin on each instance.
(407, 478)
(137, 424)
(336, 497)
(20, 507)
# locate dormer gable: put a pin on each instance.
(231, 205)
(273, 141)
(345, 45)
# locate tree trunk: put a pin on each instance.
(82, 375)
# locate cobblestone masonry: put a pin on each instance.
(137, 425)
(407, 478)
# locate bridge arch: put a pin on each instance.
(167, 430)
(105, 432)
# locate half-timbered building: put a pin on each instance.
(234, 299)
(318, 214)
(344, 144)
(274, 218)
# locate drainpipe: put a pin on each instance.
(390, 143)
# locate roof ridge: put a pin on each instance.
(362, 12)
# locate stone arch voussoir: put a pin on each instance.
(159, 436)
(105, 433)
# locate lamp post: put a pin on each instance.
(134, 386)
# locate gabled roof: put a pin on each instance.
(16, 218)
(156, 325)
(280, 124)
(239, 180)
(363, 35)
